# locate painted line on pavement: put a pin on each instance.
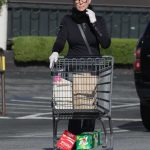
(49, 98)
(45, 99)
(27, 105)
(118, 130)
(36, 116)
(21, 112)
(25, 136)
(126, 105)
(42, 97)
(27, 101)
(113, 98)
(125, 98)
(127, 119)
(11, 108)
(5, 117)
(115, 130)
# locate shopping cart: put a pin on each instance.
(82, 89)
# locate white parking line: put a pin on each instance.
(127, 119)
(28, 105)
(30, 101)
(21, 112)
(40, 117)
(25, 136)
(5, 117)
(42, 97)
(11, 108)
(125, 98)
(113, 98)
(46, 135)
(36, 116)
(118, 130)
(126, 105)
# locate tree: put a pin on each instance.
(1, 3)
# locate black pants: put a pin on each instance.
(76, 126)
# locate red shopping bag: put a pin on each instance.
(66, 141)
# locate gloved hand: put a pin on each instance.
(91, 15)
(53, 59)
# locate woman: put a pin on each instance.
(96, 34)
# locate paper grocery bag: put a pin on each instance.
(84, 91)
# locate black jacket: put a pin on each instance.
(96, 35)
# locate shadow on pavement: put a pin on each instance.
(133, 126)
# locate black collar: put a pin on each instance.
(80, 16)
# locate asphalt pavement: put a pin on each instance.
(27, 124)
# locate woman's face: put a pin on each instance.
(81, 5)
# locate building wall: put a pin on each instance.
(43, 19)
(135, 3)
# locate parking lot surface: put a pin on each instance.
(27, 124)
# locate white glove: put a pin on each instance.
(53, 59)
(91, 15)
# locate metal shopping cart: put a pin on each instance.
(82, 89)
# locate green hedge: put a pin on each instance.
(36, 48)
(122, 50)
(27, 49)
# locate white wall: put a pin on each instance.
(3, 26)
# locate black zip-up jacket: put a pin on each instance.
(96, 34)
